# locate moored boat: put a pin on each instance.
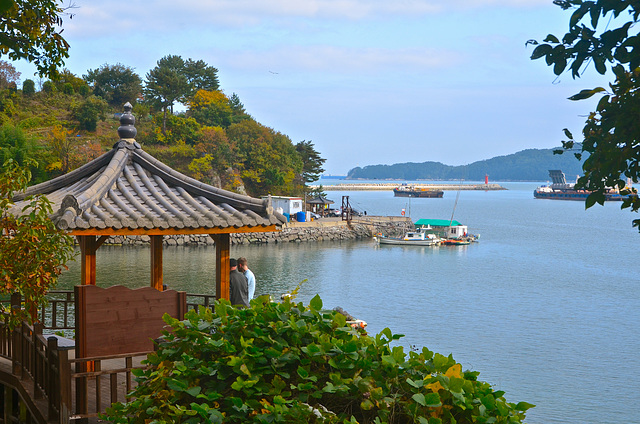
(412, 191)
(410, 238)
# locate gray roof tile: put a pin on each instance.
(128, 188)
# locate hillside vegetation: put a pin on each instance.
(526, 165)
(63, 124)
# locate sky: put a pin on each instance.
(367, 81)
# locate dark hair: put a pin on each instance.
(232, 263)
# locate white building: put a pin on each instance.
(288, 205)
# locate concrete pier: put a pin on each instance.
(391, 186)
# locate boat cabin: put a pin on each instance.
(443, 228)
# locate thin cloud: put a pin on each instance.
(100, 17)
(344, 60)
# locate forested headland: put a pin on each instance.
(526, 165)
(64, 123)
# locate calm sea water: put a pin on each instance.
(546, 307)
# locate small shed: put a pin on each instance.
(289, 205)
(443, 227)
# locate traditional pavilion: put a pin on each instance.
(128, 192)
(320, 203)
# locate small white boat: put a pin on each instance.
(411, 238)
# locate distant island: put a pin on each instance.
(526, 165)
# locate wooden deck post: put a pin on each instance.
(223, 243)
(88, 247)
(156, 262)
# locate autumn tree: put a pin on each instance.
(117, 84)
(32, 30)
(8, 75)
(268, 161)
(602, 33)
(33, 252)
(211, 108)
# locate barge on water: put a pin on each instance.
(412, 191)
(561, 190)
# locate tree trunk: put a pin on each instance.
(164, 122)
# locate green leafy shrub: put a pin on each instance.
(28, 87)
(48, 87)
(67, 88)
(287, 363)
(89, 112)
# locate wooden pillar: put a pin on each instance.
(88, 247)
(223, 243)
(156, 262)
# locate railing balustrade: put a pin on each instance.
(72, 388)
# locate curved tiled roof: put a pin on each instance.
(127, 188)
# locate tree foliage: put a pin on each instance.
(604, 33)
(166, 84)
(289, 363)
(311, 161)
(267, 160)
(8, 75)
(31, 30)
(89, 112)
(211, 108)
(33, 252)
(117, 84)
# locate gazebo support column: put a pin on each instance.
(223, 243)
(88, 247)
(156, 262)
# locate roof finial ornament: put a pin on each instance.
(127, 131)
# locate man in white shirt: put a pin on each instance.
(251, 279)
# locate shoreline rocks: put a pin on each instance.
(315, 231)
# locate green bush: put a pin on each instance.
(89, 112)
(287, 363)
(67, 88)
(28, 87)
(48, 87)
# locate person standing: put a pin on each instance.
(238, 287)
(251, 279)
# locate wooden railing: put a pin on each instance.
(70, 388)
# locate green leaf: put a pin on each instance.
(432, 400)
(177, 385)
(541, 50)
(523, 406)
(194, 391)
(315, 303)
(5, 5)
(366, 405)
(568, 133)
(419, 398)
(585, 94)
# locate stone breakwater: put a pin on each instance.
(391, 186)
(325, 229)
